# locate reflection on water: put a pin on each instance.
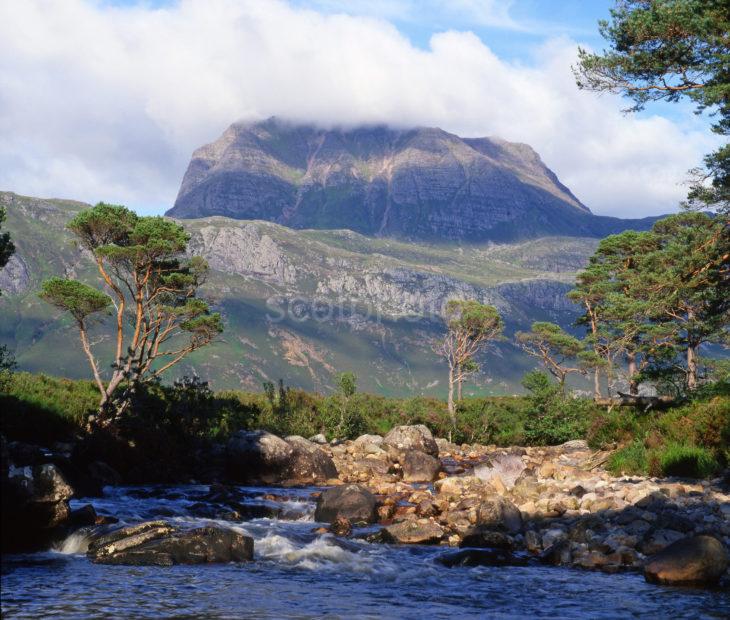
(297, 574)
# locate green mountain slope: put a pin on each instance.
(303, 305)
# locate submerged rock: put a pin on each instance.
(351, 501)
(699, 560)
(481, 557)
(159, 543)
(415, 437)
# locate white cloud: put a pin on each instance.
(108, 103)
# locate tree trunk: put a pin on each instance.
(597, 384)
(458, 387)
(633, 384)
(691, 367)
(452, 409)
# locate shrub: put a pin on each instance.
(617, 427)
(43, 408)
(687, 461)
(630, 460)
(553, 418)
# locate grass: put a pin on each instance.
(687, 461)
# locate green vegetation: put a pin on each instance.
(553, 346)
(171, 422)
(652, 299)
(159, 319)
(670, 50)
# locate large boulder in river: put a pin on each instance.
(351, 501)
(415, 437)
(308, 464)
(157, 543)
(34, 504)
(699, 560)
(257, 455)
(419, 467)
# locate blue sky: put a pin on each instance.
(107, 99)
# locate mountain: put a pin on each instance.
(412, 184)
(303, 305)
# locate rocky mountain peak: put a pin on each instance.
(418, 183)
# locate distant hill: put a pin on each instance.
(304, 305)
(416, 184)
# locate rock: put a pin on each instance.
(505, 467)
(421, 531)
(367, 440)
(457, 486)
(419, 466)
(257, 455)
(700, 560)
(34, 506)
(372, 467)
(165, 545)
(658, 540)
(350, 501)
(308, 462)
(573, 445)
(415, 437)
(480, 537)
(86, 515)
(341, 527)
(557, 554)
(552, 536)
(319, 438)
(498, 513)
(481, 557)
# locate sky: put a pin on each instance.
(107, 99)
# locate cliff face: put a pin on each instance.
(421, 183)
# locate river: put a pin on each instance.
(299, 574)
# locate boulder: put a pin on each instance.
(413, 532)
(481, 537)
(35, 506)
(481, 557)
(458, 486)
(161, 544)
(505, 467)
(497, 513)
(257, 455)
(350, 501)
(699, 560)
(308, 463)
(415, 437)
(419, 466)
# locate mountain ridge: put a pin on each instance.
(302, 305)
(413, 184)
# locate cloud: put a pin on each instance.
(99, 102)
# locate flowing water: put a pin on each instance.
(298, 574)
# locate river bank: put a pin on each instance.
(551, 505)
